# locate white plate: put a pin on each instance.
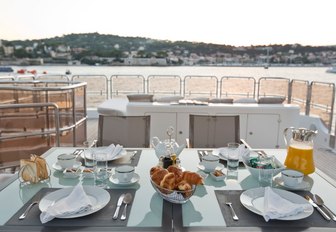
(222, 153)
(134, 179)
(304, 185)
(57, 167)
(202, 168)
(253, 200)
(122, 153)
(99, 198)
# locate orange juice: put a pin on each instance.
(300, 157)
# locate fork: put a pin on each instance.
(23, 216)
(234, 215)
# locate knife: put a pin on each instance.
(119, 203)
(317, 207)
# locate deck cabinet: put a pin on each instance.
(260, 125)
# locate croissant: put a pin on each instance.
(155, 169)
(168, 181)
(184, 186)
(158, 176)
(192, 178)
(177, 171)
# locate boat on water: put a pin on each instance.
(331, 69)
(6, 69)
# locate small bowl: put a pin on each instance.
(71, 173)
(87, 173)
(218, 175)
(255, 171)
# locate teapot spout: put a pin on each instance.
(155, 141)
(180, 148)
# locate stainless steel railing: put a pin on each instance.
(304, 93)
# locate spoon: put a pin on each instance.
(127, 199)
(23, 216)
(234, 215)
(320, 202)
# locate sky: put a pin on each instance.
(229, 22)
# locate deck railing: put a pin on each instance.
(314, 98)
(69, 96)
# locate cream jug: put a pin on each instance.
(300, 149)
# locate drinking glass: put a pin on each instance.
(101, 172)
(233, 156)
(89, 159)
(232, 161)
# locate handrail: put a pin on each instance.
(68, 85)
(36, 105)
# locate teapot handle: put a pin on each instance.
(285, 133)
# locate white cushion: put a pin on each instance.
(169, 99)
(140, 97)
(221, 100)
(245, 100)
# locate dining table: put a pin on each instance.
(206, 210)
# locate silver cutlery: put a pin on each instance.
(318, 200)
(234, 215)
(127, 199)
(133, 155)
(77, 152)
(317, 207)
(23, 216)
(119, 203)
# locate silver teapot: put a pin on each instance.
(167, 147)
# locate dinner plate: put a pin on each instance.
(115, 180)
(253, 200)
(202, 168)
(58, 167)
(304, 185)
(99, 198)
(223, 154)
(122, 153)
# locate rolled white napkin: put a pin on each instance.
(242, 150)
(112, 151)
(276, 206)
(77, 201)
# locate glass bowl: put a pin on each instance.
(174, 196)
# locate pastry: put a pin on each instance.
(158, 176)
(177, 171)
(168, 181)
(155, 169)
(192, 178)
